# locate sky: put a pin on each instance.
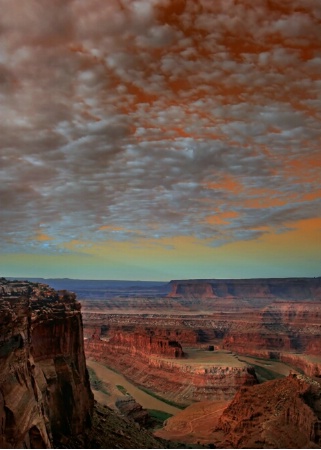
(160, 139)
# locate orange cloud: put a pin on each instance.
(228, 183)
(222, 218)
(43, 237)
(110, 228)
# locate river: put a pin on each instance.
(112, 379)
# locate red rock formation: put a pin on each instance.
(289, 331)
(151, 364)
(277, 414)
(269, 318)
(105, 325)
(191, 289)
(128, 407)
(145, 344)
(310, 365)
(256, 288)
(45, 395)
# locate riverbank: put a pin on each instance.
(112, 379)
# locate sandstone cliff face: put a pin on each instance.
(155, 365)
(105, 325)
(276, 414)
(143, 344)
(288, 331)
(45, 395)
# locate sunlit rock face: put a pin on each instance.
(276, 318)
(45, 396)
(276, 414)
(283, 413)
(145, 344)
(159, 363)
(269, 318)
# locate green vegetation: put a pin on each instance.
(158, 418)
(121, 389)
(96, 383)
(162, 399)
(264, 374)
(111, 368)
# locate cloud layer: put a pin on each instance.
(145, 119)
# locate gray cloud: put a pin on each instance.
(113, 118)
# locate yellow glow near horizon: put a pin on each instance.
(271, 255)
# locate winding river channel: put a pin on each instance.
(112, 379)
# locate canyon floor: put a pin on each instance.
(194, 424)
(200, 344)
(112, 379)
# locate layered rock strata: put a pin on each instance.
(284, 413)
(45, 396)
(144, 344)
(158, 364)
(256, 288)
(128, 407)
(269, 318)
(276, 414)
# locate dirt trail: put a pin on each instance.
(113, 379)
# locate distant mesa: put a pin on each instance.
(277, 288)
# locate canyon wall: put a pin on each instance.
(269, 318)
(45, 396)
(276, 414)
(283, 413)
(159, 364)
(141, 343)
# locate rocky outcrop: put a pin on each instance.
(45, 396)
(104, 325)
(287, 331)
(144, 344)
(284, 413)
(110, 430)
(277, 414)
(128, 407)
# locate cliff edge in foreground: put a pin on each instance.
(45, 396)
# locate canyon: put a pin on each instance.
(276, 319)
(45, 396)
(282, 413)
(228, 335)
(242, 357)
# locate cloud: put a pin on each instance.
(124, 120)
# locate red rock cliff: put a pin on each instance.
(45, 396)
(276, 414)
(146, 344)
(158, 363)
